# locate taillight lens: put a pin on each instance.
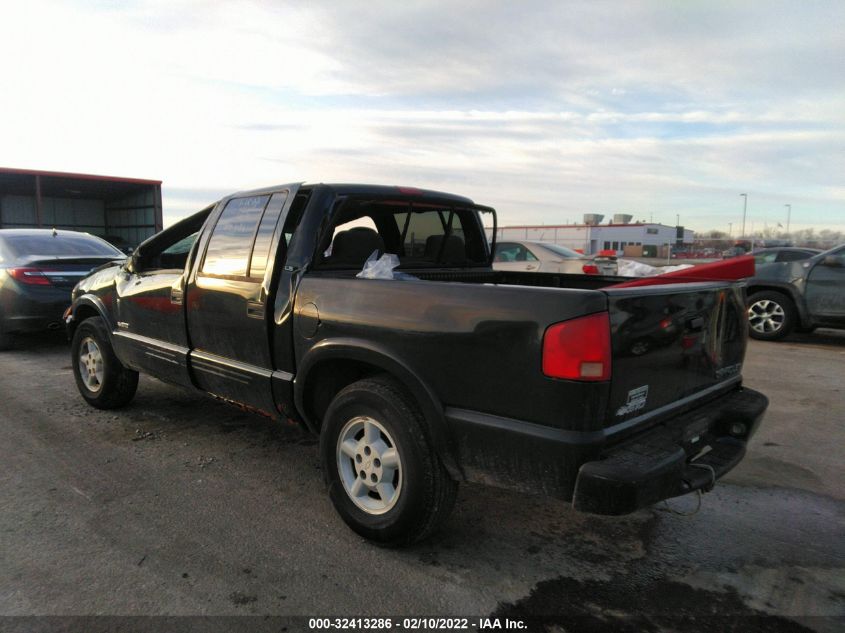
(590, 269)
(30, 276)
(578, 349)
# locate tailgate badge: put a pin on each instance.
(730, 370)
(636, 401)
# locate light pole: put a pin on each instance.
(744, 209)
(677, 219)
(730, 229)
(788, 213)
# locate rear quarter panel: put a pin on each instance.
(476, 346)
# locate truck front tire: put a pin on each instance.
(384, 479)
(100, 377)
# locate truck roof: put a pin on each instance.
(366, 189)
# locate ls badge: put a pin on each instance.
(636, 401)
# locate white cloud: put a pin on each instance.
(545, 110)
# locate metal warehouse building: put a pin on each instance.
(125, 211)
(621, 235)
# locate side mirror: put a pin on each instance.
(131, 265)
(833, 261)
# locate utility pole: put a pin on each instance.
(730, 229)
(677, 219)
(744, 209)
(788, 214)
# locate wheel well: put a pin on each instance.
(799, 310)
(326, 379)
(755, 289)
(82, 312)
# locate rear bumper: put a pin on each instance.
(684, 454)
(581, 467)
(33, 312)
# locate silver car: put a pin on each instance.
(546, 257)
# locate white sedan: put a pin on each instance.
(545, 257)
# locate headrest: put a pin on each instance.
(354, 246)
(454, 251)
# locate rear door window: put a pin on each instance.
(264, 235)
(231, 241)
(793, 256)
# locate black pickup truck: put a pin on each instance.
(613, 398)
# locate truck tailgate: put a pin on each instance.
(672, 345)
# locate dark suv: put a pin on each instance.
(797, 295)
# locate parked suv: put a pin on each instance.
(798, 295)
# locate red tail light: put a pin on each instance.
(30, 276)
(578, 349)
(590, 269)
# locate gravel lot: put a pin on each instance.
(180, 505)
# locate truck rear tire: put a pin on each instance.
(100, 377)
(383, 476)
(771, 315)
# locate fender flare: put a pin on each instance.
(378, 356)
(91, 301)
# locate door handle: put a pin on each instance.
(176, 296)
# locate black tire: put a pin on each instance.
(426, 492)
(5, 339)
(118, 384)
(781, 320)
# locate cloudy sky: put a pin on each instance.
(545, 110)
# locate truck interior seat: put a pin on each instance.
(454, 252)
(353, 247)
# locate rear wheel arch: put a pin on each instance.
(329, 367)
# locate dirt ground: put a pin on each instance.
(179, 505)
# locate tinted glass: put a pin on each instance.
(765, 258)
(62, 245)
(793, 256)
(264, 237)
(231, 241)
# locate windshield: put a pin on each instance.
(557, 249)
(60, 245)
